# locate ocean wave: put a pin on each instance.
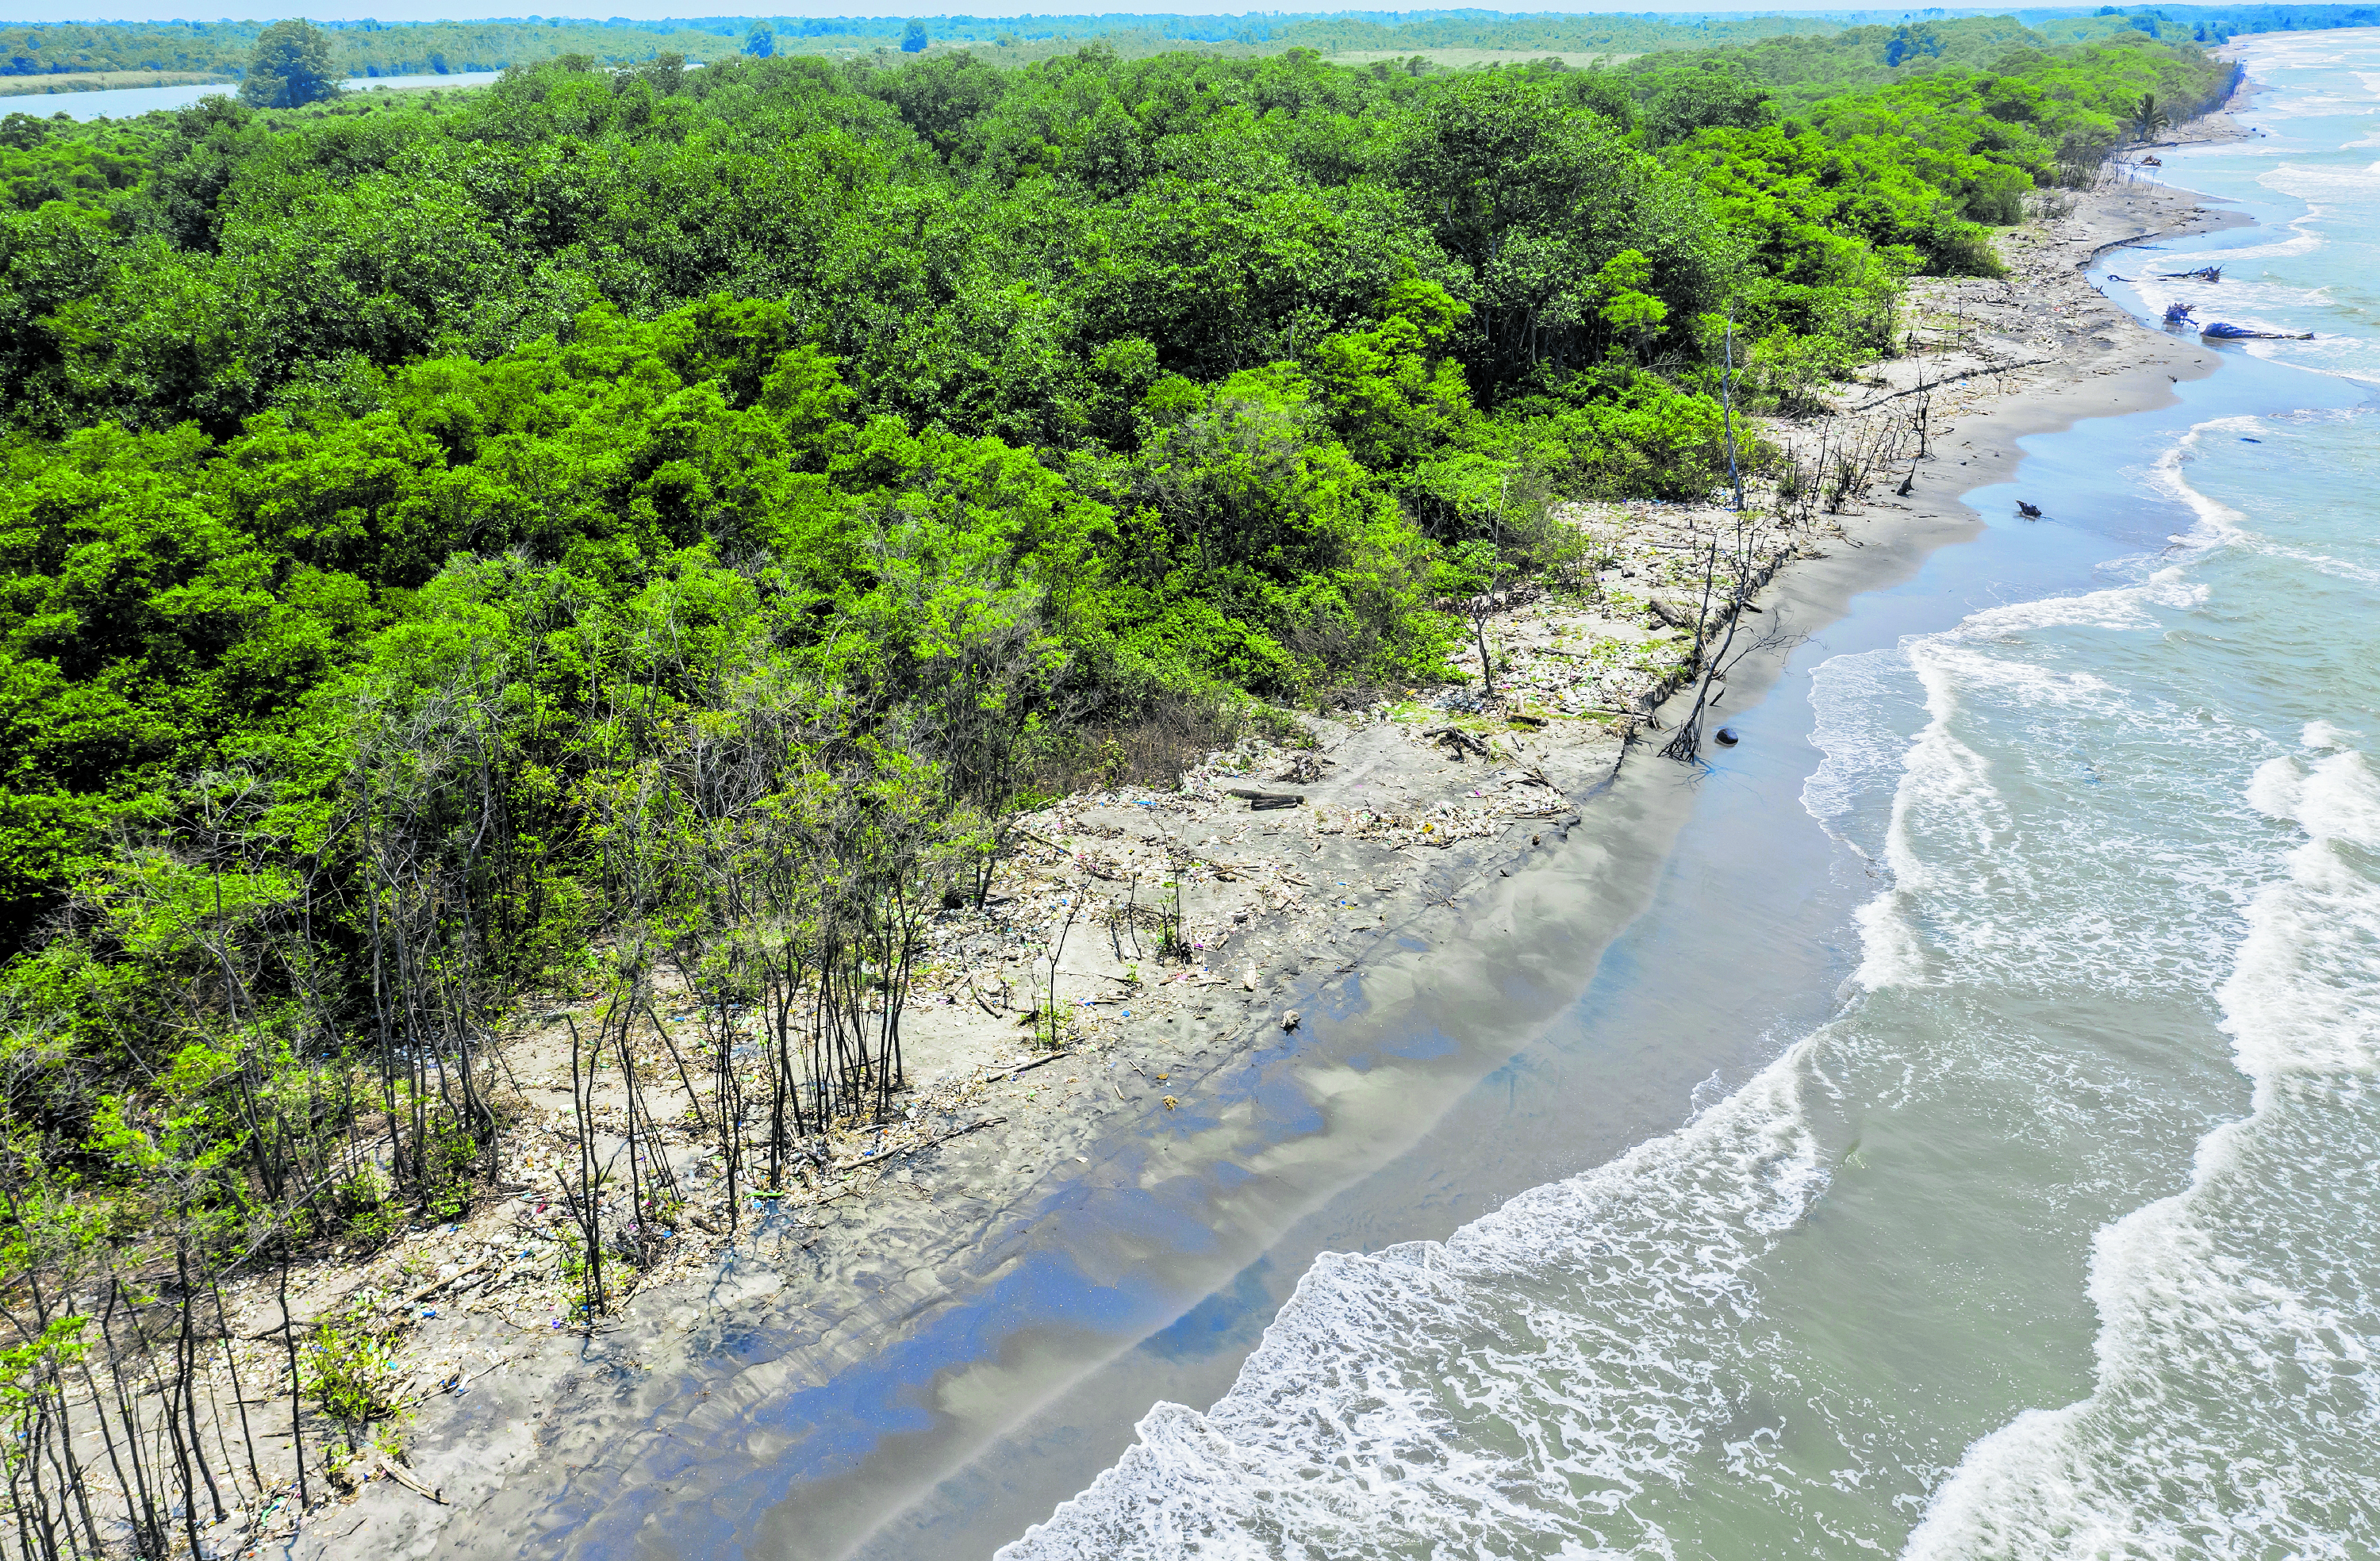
(1865, 707)
(1507, 1392)
(2324, 181)
(2221, 524)
(2239, 1326)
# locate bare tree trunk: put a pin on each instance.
(290, 1343)
(1727, 406)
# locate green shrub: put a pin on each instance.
(348, 1371)
(367, 1215)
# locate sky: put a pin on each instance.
(15, 11)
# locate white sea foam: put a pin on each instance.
(2221, 523)
(2291, 294)
(2120, 607)
(2274, 790)
(1891, 953)
(2304, 237)
(2343, 354)
(1940, 787)
(2324, 181)
(1864, 706)
(2000, 907)
(2320, 735)
(2217, 522)
(2339, 798)
(2216, 1420)
(1539, 1383)
(2339, 568)
(1587, 1324)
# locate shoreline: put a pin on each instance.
(888, 1268)
(103, 81)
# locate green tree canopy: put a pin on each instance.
(451, 546)
(291, 65)
(1146, 379)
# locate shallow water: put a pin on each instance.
(2042, 1223)
(125, 103)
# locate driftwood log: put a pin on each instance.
(1671, 613)
(1458, 739)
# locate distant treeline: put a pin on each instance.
(362, 48)
(1802, 71)
(2203, 24)
(370, 49)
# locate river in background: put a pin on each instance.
(2038, 1220)
(126, 102)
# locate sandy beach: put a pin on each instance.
(1450, 865)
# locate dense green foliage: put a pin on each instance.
(290, 67)
(94, 167)
(438, 538)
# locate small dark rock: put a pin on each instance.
(1727, 737)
